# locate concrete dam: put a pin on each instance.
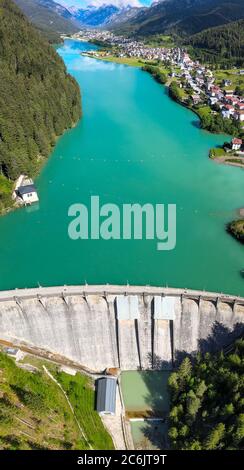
(126, 327)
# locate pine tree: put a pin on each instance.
(215, 436)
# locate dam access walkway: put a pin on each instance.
(114, 290)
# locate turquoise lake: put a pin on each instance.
(133, 145)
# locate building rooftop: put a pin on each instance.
(30, 188)
(106, 395)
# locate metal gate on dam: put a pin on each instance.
(127, 327)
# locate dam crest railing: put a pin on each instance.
(107, 289)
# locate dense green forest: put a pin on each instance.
(38, 99)
(223, 45)
(156, 73)
(216, 123)
(207, 401)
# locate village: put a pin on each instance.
(198, 84)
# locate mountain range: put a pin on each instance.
(182, 17)
(95, 17)
(49, 17)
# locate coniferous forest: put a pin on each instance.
(222, 46)
(38, 99)
(207, 404)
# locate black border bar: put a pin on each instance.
(124, 459)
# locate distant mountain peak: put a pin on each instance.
(99, 13)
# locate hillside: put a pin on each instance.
(123, 15)
(49, 17)
(38, 99)
(220, 44)
(33, 412)
(182, 16)
(207, 406)
(35, 415)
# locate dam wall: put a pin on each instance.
(128, 327)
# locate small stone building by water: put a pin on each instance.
(106, 395)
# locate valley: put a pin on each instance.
(113, 114)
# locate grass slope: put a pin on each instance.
(82, 397)
(34, 413)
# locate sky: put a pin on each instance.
(120, 3)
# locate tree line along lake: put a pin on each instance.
(132, 145)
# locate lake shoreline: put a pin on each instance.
(132, 62)
(42, 162)
(223, 160)
(132, 138)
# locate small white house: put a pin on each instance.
(212, 100)
(25, 191)
(228, 111)
(225, 113)
(28, 194)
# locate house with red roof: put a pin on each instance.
(240, 106)
(236, 144)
